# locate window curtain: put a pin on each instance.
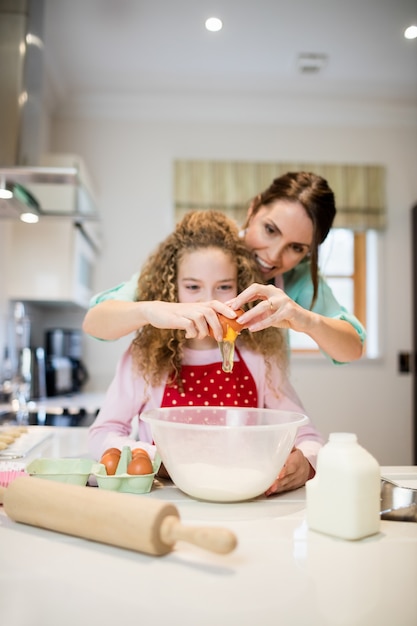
(229, 186)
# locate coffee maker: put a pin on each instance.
(65, 371)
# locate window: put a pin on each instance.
(350, 255)
(348, 261)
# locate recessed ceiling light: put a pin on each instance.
(410, 32)
(214, 24)
(29, 218)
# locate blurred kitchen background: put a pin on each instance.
(100, 103)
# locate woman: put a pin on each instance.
(200, 265)
(285, 226)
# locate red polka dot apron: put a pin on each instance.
(208, 385)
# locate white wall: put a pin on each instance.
(130, 156)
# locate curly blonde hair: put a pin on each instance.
(158, 352)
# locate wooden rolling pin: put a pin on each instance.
(124, 520)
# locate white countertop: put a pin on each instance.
(91, 402)
(280, 573)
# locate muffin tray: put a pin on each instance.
(29, 439)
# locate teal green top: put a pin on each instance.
(297, 285)
(123, 291)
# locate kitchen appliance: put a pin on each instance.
(65, 371)
(61, 184)
(37, 367)
(24, 367)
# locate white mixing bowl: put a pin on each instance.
(223, 454)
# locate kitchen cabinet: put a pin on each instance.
(50, 262)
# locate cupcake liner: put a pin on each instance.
(10, 471)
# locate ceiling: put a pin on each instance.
(95, 48)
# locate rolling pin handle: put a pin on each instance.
(220, 540)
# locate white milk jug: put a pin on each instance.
(344, 497)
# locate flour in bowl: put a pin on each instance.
(220, 484)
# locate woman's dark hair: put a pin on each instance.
(315, 195)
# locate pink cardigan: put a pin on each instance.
(127, 397)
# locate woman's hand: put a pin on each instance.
(276, 309)
(334, 336)
(295, 473)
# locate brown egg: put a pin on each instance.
(140, 464)
(231, 328)
(139, 451)
(110, 460)
(112, 451)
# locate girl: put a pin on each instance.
(198, 267)
(285, 226)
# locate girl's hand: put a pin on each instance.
(195, 318)
(295, 473)
(163, 473)
(276, 309)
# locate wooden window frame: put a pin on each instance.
(359, 284)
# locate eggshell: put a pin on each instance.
(231, 328)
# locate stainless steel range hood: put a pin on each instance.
(49, 191)
(21, 109)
